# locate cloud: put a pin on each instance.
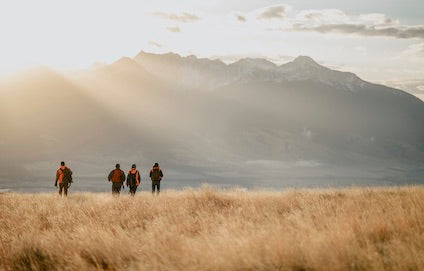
(337, 16)
(183, 17)
(156, 44)
(400, 32)
(322, 16)
(241, 18)
(174, 29)
(378, 19)
(337, 21)
(275, 12)
(414, 50)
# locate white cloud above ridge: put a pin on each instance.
(174, 29)
(337, 21)
(274, 12)
(240, 18)
(155, 44)
(401, 32)
(321, 16)
(184, 17)
(378, 19)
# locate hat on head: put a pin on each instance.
(118, 166)
(133, 166)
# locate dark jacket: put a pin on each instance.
(156, 174)
(133, 178)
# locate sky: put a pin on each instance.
(382, 41)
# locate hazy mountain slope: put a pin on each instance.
(250, 123)
(302, 110)
(336, 117)
(333, 107)
(49, 118)
(46, 103)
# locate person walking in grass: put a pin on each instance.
(133, 179)
(117, 177)
(156, 176)
(63, 178)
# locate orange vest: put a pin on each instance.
(116, 177)
(60, 172)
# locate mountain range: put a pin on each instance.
(251, 123)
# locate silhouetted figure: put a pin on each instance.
(133, 179)
(156, 176)
(64, 178)
(117, 177)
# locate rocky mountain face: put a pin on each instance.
(250, 123)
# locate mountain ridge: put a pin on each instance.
(299, 69)
(301, 62)
(242, 123)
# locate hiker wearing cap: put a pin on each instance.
(117, 177)
(64, 178)
(133, 179)
(156, 176)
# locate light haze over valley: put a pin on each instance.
(256, 94)
(251, 123)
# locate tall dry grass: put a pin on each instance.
(348, 229)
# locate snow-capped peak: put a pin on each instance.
(195, 71)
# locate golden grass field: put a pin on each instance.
(207, 229)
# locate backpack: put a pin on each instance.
(156, 175)
(67, 175)
(132, 178)
(116, 176)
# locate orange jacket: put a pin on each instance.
(116, 176)
(59, 174)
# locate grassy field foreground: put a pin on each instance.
(206, 229)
